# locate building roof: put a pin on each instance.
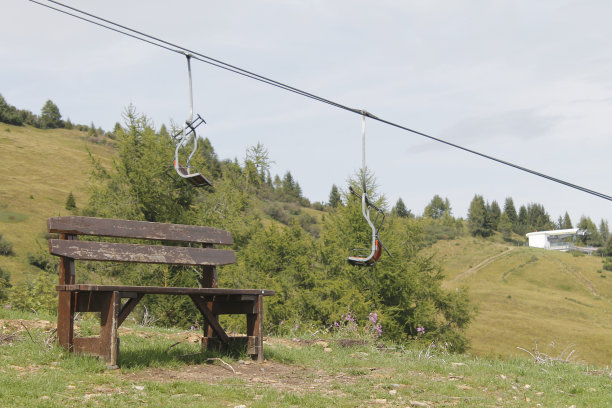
(570, 231)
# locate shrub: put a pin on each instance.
(5, 278)
(6, 248)
(36, 293)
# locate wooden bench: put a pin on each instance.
(187, 245)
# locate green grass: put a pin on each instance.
(38, 169)
(297, 373)
(530, 297)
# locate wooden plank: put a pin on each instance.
(87, 345)
(158, 254)
(89, 302)
(109, 324)
(128, 307)
(211, 319)
(65, 319)
(220, 308)
(232, 294)
(138, 230)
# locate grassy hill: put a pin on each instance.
(161, 367)
(527, 297)
(38, 169)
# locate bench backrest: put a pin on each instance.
(69, 248)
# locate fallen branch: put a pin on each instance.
(30, 334)
(210, 360)
(172, 345)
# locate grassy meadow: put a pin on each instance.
(526, 297)
(161, 367)
(38, 169)
(557, 302)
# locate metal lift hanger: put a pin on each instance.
(186, 172)
(361, 257)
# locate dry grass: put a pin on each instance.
(531, 296)
(38, 169)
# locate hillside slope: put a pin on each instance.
(38, 169)
(529, 297)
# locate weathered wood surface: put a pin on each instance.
(242, 294)
(157, 254)
(138, 230)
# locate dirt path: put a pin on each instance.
(481, 265)
(575, 273)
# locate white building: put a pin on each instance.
(559, 240)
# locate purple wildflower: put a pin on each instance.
(373, 317)
(420, 330)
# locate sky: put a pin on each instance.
(528, 82)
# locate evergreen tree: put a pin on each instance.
(5, 284)
(478, 223)
(505, 226)
(510, 211)
(70, 202)
(604, 231)
(50, 116)
(537, 218)
(334, 197)
(400, 209)
(494, 215)
(437, 207)
(522, 222)
(567, 222)
(592, 237)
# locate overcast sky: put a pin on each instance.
(529, 82)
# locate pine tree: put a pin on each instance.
(334, 197)
(70, 202)
(494, 215)
(505, 226)
(50, 116)
(510, 211)
(567, 222)
(604, 230)
(437, 207)
(478, 223)
(400, 209)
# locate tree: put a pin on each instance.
(604, 231)
(522, 222)
(334, 197)
(260, 157)
(567, 222)
(537, 218)
(505, 226)
(70, 202)
(510, 210)
(5, 284)
(400, 209)
(478, 222)
(494, 213)
(592, 237)
(437, 207)
(50, 116)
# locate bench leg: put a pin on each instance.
(65, 320)
(255, 332)
(109, 323)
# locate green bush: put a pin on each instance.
(6, 248)
(5, 284)
(37, 293)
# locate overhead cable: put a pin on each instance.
(121, 29)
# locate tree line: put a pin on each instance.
(49, 118)
(315, 286)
